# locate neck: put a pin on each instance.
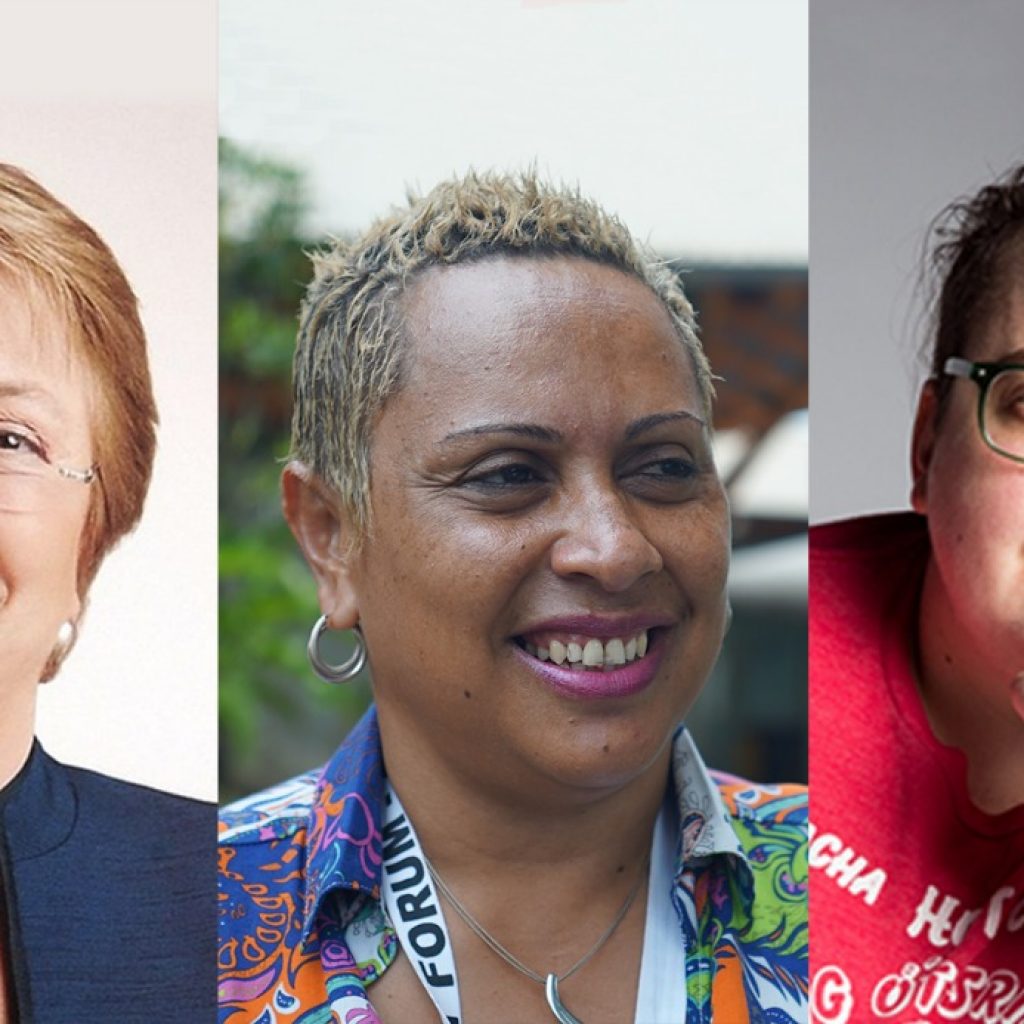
(563, 843)
(969, 701)
(17, 726)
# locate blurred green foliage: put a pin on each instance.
(276, 717)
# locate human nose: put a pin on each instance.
(602, 539)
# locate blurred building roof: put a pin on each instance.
(753, 323)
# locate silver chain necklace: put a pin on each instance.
(549, 981)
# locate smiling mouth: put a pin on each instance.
(587, 653)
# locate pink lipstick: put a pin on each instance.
(593, 657)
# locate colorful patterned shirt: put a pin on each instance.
(303, 933)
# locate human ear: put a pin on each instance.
(923, 445)
(324, 534)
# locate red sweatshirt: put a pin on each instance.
(917, 896)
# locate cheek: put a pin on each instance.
(976, 522)
(39, 556)
(697, 546)
(38, 570)
(443, 577)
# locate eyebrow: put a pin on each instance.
(641, 426)
(537, 432)
(1016, 356)
(533, 431)
(17, 389)
(44, 400)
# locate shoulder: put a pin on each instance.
(138, 814)
(86, 823)
(861, 572)
(262, 897)
(263, 855)
(288, 810)
(875, 536)
(103, 793)
(133, 866)
(272, 814)
(770, 823)
(130, 845)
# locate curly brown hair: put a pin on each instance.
(978, 244)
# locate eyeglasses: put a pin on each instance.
(1000, 402)
(27, 476)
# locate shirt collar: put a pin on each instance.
(40, 807)
(344, 842)
(704, 822)
(706, 827)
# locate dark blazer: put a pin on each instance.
(110, 899)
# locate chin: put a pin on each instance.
(1014, 646)
(999, 644)
(607, 751)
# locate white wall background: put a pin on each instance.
(687, 118)
(913, 103)
(112, 106)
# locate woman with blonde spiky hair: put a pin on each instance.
(102, 883)
(503, 483)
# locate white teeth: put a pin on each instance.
(593, 654)
(614, 652)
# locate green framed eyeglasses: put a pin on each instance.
(1000, 402)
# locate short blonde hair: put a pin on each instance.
(348, 356)
(55, 258)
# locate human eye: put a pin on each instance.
(19, 448)
(507, 476)
(1006, 394)
(663, 475)
(505, 483)
(669, 469)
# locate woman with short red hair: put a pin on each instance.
(104, 888)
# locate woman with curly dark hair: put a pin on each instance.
(917, 668)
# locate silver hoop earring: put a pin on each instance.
(324, 669)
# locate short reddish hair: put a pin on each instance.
(54, 256)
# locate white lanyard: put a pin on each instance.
(661, 992)
(410, 899)
(415, 912)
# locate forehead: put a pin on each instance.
(39, 365)
(528, 293)
(1002, 334)
(533, 328)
